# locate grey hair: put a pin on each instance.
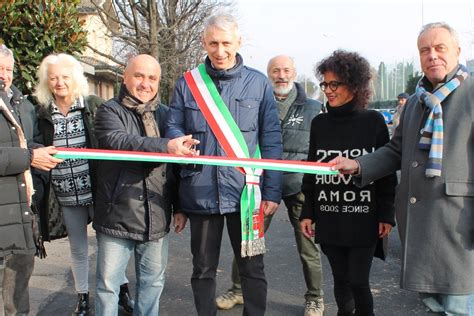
(223, 21)
(79, 87)
(443, 25)
(278, 56)
(5, 52)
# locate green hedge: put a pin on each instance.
(34, 29)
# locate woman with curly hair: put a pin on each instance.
(349, 222)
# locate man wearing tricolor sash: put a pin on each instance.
(295, 111)
(230, 109)
(434, 147)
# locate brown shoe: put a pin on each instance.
(314, 308)
(229, 300)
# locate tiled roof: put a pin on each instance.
(100, 65)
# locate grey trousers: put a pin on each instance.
(15, 274)
(75, 219)
(310, 254)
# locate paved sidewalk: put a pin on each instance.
(52, 290)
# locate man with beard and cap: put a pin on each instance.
(296, 111)
(240, 120)
(433, 146)
(135, 200)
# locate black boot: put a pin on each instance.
(82, 307)
(124, 299)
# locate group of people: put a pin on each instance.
(224, 108)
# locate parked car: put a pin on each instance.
(387, 114)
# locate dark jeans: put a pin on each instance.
(15, 273)
(206, 237)
(351, 268)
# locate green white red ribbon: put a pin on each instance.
(269, 164)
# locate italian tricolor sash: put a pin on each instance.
(230, 137)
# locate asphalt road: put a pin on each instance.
(52, 290)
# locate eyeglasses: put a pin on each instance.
(333, 85)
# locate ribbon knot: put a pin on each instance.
(252, 179)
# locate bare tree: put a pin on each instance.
(169, 30)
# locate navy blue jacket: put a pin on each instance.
(249, 97)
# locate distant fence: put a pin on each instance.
(385, 104)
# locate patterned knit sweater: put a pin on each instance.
(344, 214)
(71, 178)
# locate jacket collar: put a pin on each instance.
(17, 96)
(429, 86)
(225, 74)
(300, 94)
(44, 112)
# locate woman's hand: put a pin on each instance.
(384, 229)
(307, 228)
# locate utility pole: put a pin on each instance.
(422, 14)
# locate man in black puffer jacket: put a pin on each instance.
(134, 200)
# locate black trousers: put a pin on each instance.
(351, 269)
(206, 237)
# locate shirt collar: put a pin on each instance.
(77, 105)
(449, 76)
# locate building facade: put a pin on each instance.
(103, 75)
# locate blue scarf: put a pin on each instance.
(432, 137)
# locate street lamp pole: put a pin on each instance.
(422, 14)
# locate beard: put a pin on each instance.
(283, 90)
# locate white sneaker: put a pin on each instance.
(229, 300)
(314, 308)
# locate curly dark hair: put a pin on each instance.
(352, 69)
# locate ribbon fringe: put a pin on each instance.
(250, 248)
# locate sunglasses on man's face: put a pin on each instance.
(333, 85)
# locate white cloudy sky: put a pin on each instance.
(381, 30)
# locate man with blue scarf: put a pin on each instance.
(434, 148)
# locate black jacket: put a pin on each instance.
(133, 199)
(16, 234)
